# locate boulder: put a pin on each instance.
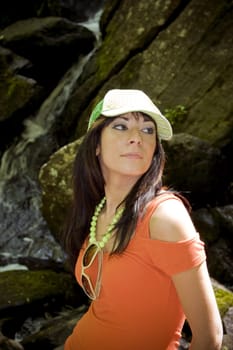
(215, 228)
(224, 298)
(78, 11)
(29, 307)
(214, 222)
(220, 261)
(228, 324)
(53, 333)
(56, 181)
(19, 94)
(191, 163)
(33, 290)
(52, 44)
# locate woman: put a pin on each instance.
(140, 259)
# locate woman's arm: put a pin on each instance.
(198, 301)
(171, 222)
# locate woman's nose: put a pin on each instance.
(135, 136)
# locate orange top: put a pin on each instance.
(138, 307)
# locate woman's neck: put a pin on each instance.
(115, 195)
(119, 182)
(112, 202)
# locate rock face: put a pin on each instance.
(190, 41)
(180, 53)
(52, 44)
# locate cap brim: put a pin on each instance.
(163, 125)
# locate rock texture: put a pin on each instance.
(56, 181)
(52, 45)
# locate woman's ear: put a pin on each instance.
(97, 151)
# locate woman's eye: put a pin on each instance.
(119, 127)
(148, 130)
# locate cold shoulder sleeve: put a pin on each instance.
(175, 257)
(170, 257)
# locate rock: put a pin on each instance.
(54, 332)
(51, 54)
(126, 35)
(29, 302)
(27, 290)
(214, 223)
(221, 263)
(9, 344)
(20, 92)
(56, 177)
(215, 228)
(224, 215)
(206, 225)
(78, 11)
(227, 343)
(196, 70)
(184, 344)
(224, 297)
(198, 160)
(17, 92)
(228, 324)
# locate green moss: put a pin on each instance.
(15, 92)
(176, 114)
(14, 86)
(104, 66)
(20, 287)
(224, 300)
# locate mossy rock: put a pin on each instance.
(56, 182)
(33, 289)
(224, 299)
(17, 92)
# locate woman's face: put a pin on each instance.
(127, 146)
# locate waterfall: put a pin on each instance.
(23, 230)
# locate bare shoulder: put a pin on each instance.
(171, 222)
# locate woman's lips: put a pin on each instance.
(132, 155)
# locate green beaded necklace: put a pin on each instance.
(107, 235)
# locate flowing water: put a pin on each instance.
(23, 230)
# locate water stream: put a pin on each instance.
(23, 230)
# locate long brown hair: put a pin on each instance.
(88, 190)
